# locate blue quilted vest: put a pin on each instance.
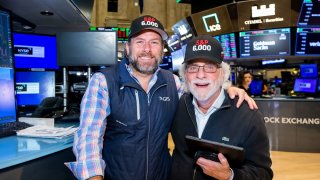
(135, 143)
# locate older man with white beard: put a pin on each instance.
(208, 113)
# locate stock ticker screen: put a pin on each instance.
(5, 40)
(228, 43)
(307, 41)
(309, 14)
(261, 43)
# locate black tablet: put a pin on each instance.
(234, 154)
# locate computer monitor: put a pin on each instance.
(34, 86)
(35, 51)
(306, 86)
(94, 48)
(256, 87)
(308, 70)
(7, 97)
(6, 58)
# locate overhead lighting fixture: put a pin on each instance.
(46, 13)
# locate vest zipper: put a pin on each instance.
(194, 173)
(148, 137)
(138, 104)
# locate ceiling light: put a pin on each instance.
(46, 13)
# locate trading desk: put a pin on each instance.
(35, 158)
(292, 124)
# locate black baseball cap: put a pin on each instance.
(144, 23)
(204, 47)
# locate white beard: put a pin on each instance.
(213, 87)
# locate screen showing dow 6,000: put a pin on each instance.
(262, 43)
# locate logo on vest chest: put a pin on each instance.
(164, 98)
(226, 139)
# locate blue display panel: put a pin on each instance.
(35, 51)
(33, 87)
(264, 43)
(308, 41)
(6, 59)
(228, 43)
(256, 87)
(166, 63)
(305, 85)
(7, 97)
(308, 70)
(318, 85)
(309, 14)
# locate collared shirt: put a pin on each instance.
(202, 118)
(88, 139)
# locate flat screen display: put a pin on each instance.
(174, 43)
(183, 29)
(228, 43)
(178, 58)
(305, 85)
(35, 51)
(262, 43)
(34, 86)
(308, 41)
(122, 33)
(6, 59)
(309, 14)
(308, 70)
(213, 21)
(256, 87)
(7, 96)
(94, 48)
(166, 63)
(264, 14)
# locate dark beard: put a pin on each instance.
(148, 71)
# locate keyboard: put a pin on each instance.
(10, 128)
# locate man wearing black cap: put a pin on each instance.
(207, 112)
(127, 111)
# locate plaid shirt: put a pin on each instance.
(88, 140)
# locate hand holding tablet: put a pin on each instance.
(210, 149)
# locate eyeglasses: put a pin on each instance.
(208, 68)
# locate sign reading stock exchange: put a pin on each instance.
(292, 125)
(213, 21)
(263, 14)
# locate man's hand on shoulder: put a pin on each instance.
(234, 91)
